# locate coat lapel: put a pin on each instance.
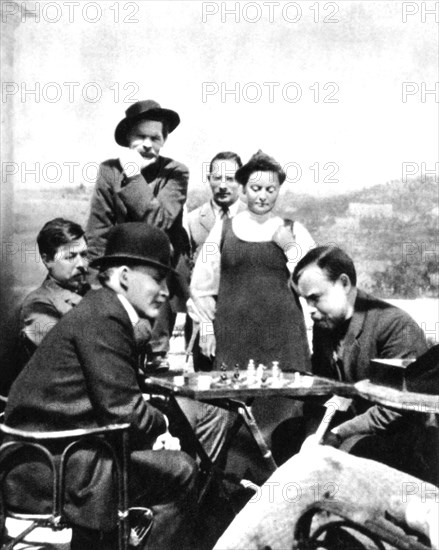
(63, 299)
(352, 345)
(207, 216)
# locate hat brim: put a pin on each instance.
(120, 259)
(171, 117)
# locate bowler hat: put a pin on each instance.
(144, 110)
(136, 242)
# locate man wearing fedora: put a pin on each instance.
(143, 186)
(84, 375)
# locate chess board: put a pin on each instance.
(220, 385)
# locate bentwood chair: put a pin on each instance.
(112, 439)
(341, 528)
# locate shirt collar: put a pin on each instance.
(233, 208)
(132, 313)
(54, 284)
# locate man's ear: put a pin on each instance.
(345, 281)
(124, 277)
(46, 260)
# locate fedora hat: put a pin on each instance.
(136, 242)
(144, 110)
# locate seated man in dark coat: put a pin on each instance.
(84, 374)
(350, 329)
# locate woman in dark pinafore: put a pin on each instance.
(245, 287)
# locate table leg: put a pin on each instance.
(249, 420)
(245, 413)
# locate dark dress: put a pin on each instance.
(258, 316)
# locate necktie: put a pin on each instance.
(224, 212)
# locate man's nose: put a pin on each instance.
(262, 194)
(147, 143)
(82, 261)
(222, 183)
(164, 290)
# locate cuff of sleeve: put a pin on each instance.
(333, 439)
(347, 429)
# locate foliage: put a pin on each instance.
(397, 254)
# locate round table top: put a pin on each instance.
(397, 399)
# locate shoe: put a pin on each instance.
(140, 520)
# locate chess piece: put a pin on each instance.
(275, 370)
(236, 373)
(223, 369)
(261, 374)
(251, 372)
(276, 374)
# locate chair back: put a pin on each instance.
(39, 446)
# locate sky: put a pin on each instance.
(337, 92)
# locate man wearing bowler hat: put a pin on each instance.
(143, 186)
(84, 375)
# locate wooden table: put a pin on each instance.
(236, 394)
(292, 385)
(398, 399)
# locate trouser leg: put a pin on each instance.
(210, 424)
(166, 482)
(89, 539)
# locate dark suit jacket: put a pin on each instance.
(156, 196)
(377, 330)
(82, 375)
(200, 222)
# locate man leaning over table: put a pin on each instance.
(350, 329)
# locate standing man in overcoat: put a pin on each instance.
(143, 186)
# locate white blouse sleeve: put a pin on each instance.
(206, 278)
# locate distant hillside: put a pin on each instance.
(390, 230)
(396, 249)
